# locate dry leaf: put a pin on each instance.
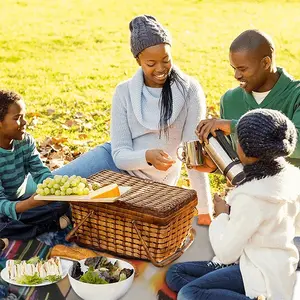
(56, 147)
(70, 123)
(33, 122)
(78, 115)
(59, 140)
(44, 159)
(79, 143)
(83, 136)
(50, 111)
(55, 163)
(33, 114)
(76, 153)
(56, 155)
(46, 142)
(44, 151)
(87, 125)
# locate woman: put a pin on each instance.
(152, 114)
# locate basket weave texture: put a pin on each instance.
(162, 214)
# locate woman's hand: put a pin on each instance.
(159, 159)
(220, 206)
(205, 127)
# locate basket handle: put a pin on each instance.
(172, 257)
(73, 231)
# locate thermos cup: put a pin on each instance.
(192, 153)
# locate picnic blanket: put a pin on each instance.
(149, 283)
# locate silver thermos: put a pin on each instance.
(226, 159)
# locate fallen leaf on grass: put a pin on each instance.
(46, 142)
(87, 125)
(33, 114)
(59, 140)
(83, 136)
(70, 123)
(78, 143)
(50, 111)
(56, 163)
(32, 124)
(78, 115)
(213, 112)
(54, 153)
(56, 147)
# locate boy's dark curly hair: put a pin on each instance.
(7, 98)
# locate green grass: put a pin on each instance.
(69, 55)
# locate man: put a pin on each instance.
(262, 85)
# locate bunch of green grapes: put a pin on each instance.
(63, 186)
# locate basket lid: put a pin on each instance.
(145, 195)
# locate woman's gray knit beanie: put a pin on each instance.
(146, 32)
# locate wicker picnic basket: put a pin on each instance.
(151, 221)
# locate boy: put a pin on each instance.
(22, 217)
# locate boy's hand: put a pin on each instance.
(220, 206)
(30, 203)
(159, 159)
(36, 203)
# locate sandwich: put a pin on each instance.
(34, 270)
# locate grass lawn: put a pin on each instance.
(66, 56)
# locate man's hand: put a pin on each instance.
(30, 203)
(220, 206)
(205, 127)
(159, 159)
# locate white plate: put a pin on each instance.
(123, 189)
(65, 264)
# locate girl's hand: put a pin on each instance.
(220, 206)
(159, 159)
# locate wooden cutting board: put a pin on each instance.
(85, 198)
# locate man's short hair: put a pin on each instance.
(252, 40)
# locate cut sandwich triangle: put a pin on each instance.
(108, 191)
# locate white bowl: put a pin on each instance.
(110, 291)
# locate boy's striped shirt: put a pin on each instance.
(15, 165)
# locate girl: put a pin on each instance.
(259, 232)
(152, 114)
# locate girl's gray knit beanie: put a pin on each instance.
(266, 133)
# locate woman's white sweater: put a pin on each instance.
(259, 232)
(132, 134)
